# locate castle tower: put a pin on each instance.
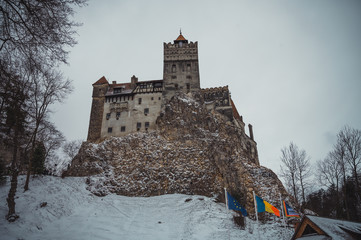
(180, 70)
(96, 115)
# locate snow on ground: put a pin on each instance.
(72, 212)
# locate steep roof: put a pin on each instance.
(181, 38)
(235, 112)
(101, 81)
(327, 227)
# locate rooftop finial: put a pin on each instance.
(180, 31)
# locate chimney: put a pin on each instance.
(133, 81)
(250, 131)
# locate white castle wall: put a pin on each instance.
(131, 113)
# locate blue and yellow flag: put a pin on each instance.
(235, 205)
(263, 206)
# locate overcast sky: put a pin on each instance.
(293, 67)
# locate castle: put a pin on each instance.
(122, 108)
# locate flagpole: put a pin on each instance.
(283, 215)
(255, 209)
(225, 195)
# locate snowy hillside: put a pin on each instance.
(72, 212)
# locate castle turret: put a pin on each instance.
(96, 115)
(180, 71)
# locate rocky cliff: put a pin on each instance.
(193, 151)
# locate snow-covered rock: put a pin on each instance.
(194, 150)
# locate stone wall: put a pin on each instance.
(180, 69)
(192, 151)
(140, 108)
(96, 113)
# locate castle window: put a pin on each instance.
(188, 67)
(146, 125)
(146, 111)
(118, 115)
(188, 86)
(176, 86)
(173, 68)
(139, 125)
(139, 100)
(122, 128)
(110, 130)
(108, 116)
(152, 98)
(158, 98)
(157, 85)
(174, 77)
(117, 90)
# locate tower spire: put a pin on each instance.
(180, 31)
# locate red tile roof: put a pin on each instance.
(181, 38)
(101, 81)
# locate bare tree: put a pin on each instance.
(33, 39)
(71, 148)
(329, 171)
(48, 87)
(351, 139)
(339, 154)
(37, 29)
(289, 171)
(51, 137)
(296, 170)
(303, 171)
(329, 175)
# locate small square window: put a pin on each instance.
(176, 86)
(152, 98)
(118, 115)
(146, 111)
(139, 125)
(110, 130)
(159, 98)
(146, 125)
(139, 100)
(108, 116)
(122, 128)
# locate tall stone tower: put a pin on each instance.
(180, 71)
(96, 115)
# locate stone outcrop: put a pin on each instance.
(193, 151)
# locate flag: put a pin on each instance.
(289, 212)
(263, 206)
(235, 205)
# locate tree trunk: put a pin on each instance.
(303, 191)
(345, 196)
(11, 216)
(26, 186)
(294, 189)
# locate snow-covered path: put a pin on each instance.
(72, 212)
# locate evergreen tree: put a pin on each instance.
(38, 159)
